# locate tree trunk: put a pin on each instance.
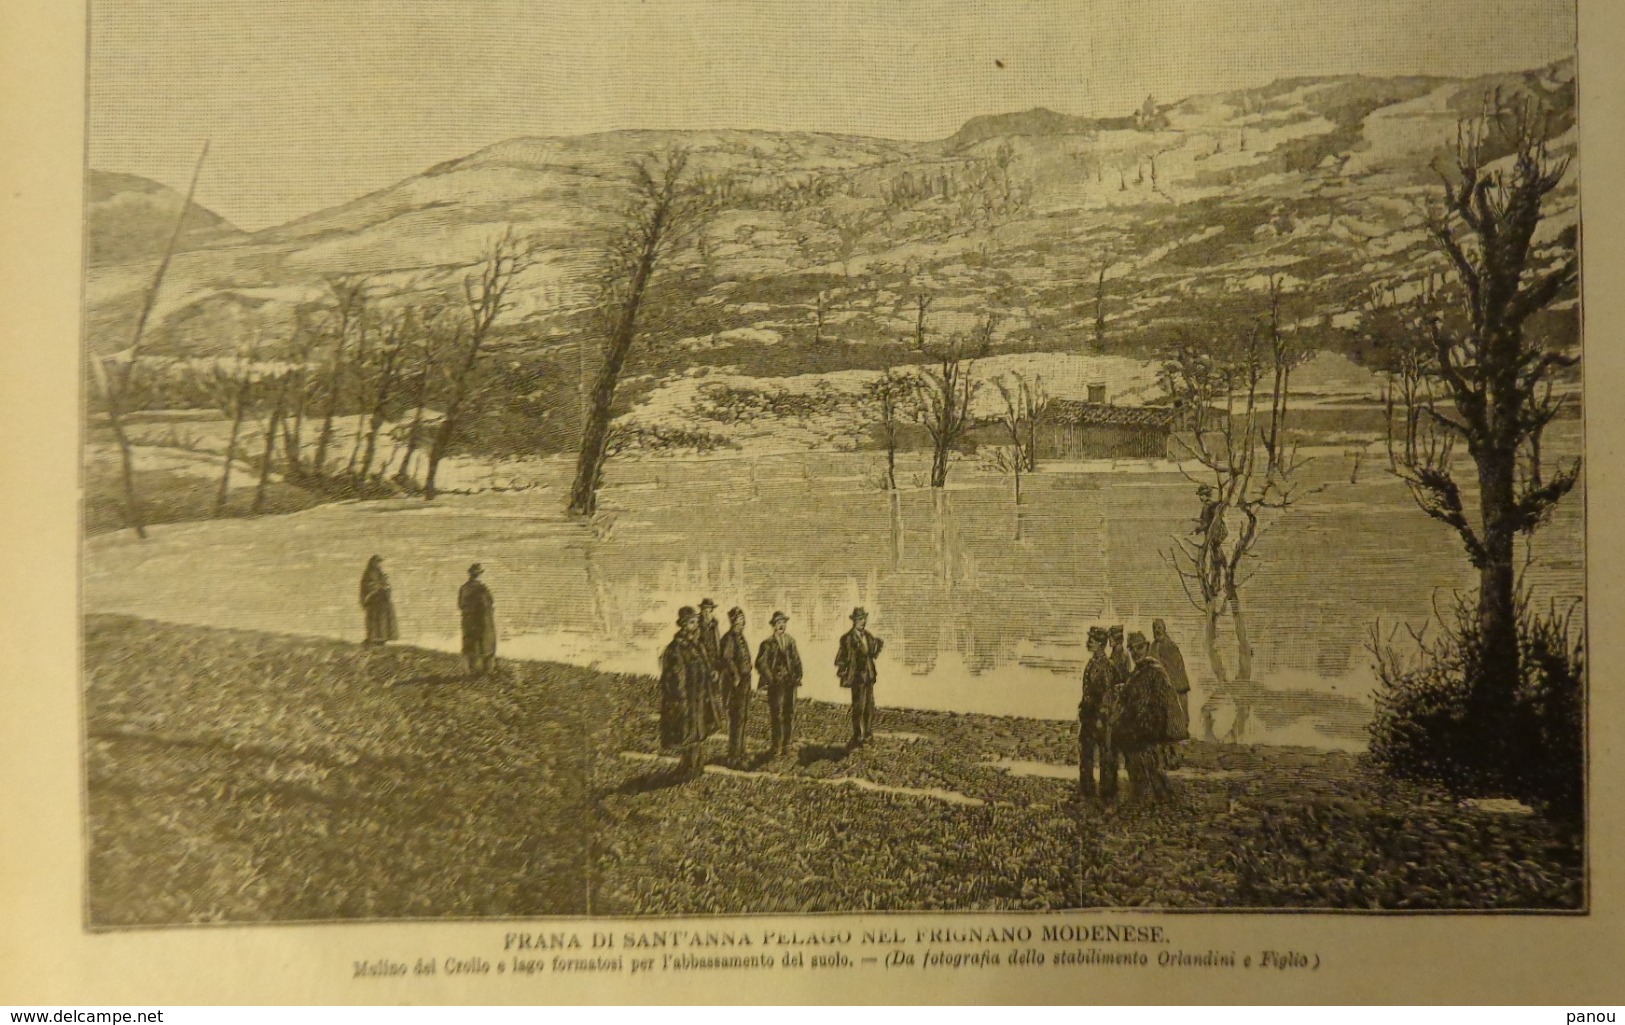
(595, 438)
(891, 458)
(404, 474)
(896, 530)
(381, 400)
(292, 441)
(118, 385)
(448, 423)
(269, 451)
(231, 451)
(1244, 646)
(132, 504)
(360, 392)
(1497, 590)
(325, 436)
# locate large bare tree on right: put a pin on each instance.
(1496, 376)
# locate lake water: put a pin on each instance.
(982, 610)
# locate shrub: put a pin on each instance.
(1429, 730)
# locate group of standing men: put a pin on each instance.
(1135, 706)
(705, 677)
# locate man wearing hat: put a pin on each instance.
(479, 622)
(1102, 680)
(684, 677)
(778, 671)
(714, 703)
(734, 675)
(1147, 717)
(855, 665)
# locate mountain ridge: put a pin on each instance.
(1034, 215)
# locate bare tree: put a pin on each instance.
(345, 317)
(116, 380)
(662, 211)
(435, 334)
(274, 417)
(232, 387)
(395, 332)
(293, 421)
(1024, 404)
(485, 293)
(1396, 332)
(885, 400)
(1499, 381)
(946, 386)
(1245, 469)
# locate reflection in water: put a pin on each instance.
(975, 620)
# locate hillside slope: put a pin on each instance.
(130, 218)
(822, 243)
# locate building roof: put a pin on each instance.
(1071, 411)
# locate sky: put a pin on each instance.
(309, 103)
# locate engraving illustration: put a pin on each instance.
(639, 459)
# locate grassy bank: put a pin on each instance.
(246, 777)
(176, 496)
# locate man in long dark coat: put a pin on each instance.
(684, 677)
(377, 603)
(1102, 682)
(714, 703)
(778, 671)
(1172, 660)
(1145, 720)
(478, 609)
(734, 673)
(855, 666)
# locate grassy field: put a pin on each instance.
(238, 776)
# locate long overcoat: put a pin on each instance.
(1148, 710)
(478, 607)
(683, 669)
(378, 605)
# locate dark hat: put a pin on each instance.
(859, 613)
(1116, 631)
(735, 612)
(707, 603)
(1097, 633)
(686, 613)
(779, 617)
(1136, 639)
(475, 570)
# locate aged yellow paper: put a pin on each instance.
(878, 214)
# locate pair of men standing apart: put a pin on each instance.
(778, 664)
(475, 605)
